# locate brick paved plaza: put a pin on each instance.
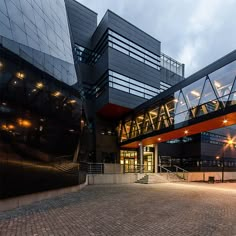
(160, 209)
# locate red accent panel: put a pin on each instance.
(113, 111)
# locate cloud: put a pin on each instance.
(195, 33)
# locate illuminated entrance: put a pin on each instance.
(132, 162)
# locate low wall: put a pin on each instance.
(113, 178)
(113, 168)
(11, 203)
(203, 176)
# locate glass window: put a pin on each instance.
(208, 93)
(193, 92)
(222, 79)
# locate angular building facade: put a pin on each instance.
(66, 83)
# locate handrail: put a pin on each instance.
(177, 167)
(162, 167)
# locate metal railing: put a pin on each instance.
(181, 173)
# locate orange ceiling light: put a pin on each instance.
(24, 123)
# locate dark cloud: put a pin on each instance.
(195, 33)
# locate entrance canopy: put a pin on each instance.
(202, 102)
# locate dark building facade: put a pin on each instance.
(65, 84)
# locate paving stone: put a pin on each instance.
(168, 209)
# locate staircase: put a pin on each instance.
(152, 179)
(180, 175)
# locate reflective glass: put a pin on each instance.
(208, 93)
(193, 92)
(222, 79)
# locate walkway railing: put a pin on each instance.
(180, 172)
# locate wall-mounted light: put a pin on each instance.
(186, 132)
(20, 75)
(159, 139)
(24, 123)
(72, 101)
(56, 94)
(1, 65)
(39, 85)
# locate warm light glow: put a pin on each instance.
(153, 113)
(73, 101)
(122, 162)
(195, 93)
(159, 139)
(11, 126)
(217, 157)
(186, 131)
(1, 65)
(20, 75)
(56, 94)
(175, 100)
(24, 123)
(225, 121)
(230, 142)
(39, 85)
(217, 84)
(4, 127)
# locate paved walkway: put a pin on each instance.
(160, 209)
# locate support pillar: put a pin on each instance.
(156, 160)
(141, 157)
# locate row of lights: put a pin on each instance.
(186, 132)
(40, 85)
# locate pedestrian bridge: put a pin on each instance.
(202, 102)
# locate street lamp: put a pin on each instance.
(228, 142)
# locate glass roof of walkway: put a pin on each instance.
(204, 101)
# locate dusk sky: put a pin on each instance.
(195, 33)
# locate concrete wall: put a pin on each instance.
(12, 203)
(113, 178)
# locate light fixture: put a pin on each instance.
(20, 75)
(39, 85)
(34, 90)
(56, 94)
(24, 123)
(159, 139)
(1, 65)
(217, 84)
(230, 142)
(72, 101)
(217, 157)
(186, 131)
(15, 82)
(4, 104)
(175, 100)
(195, 93)
(225, 121)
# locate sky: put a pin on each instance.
(194, 32)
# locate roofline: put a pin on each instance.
(76, 1)
(228, 58)
(108, 10)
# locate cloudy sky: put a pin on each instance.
(194, 32)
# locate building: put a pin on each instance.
(66, 82)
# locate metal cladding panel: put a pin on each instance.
(123, 64)
(83, 22)
(133, 33)
(42, 27)
(124, 99)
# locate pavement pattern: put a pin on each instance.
(168, 209)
